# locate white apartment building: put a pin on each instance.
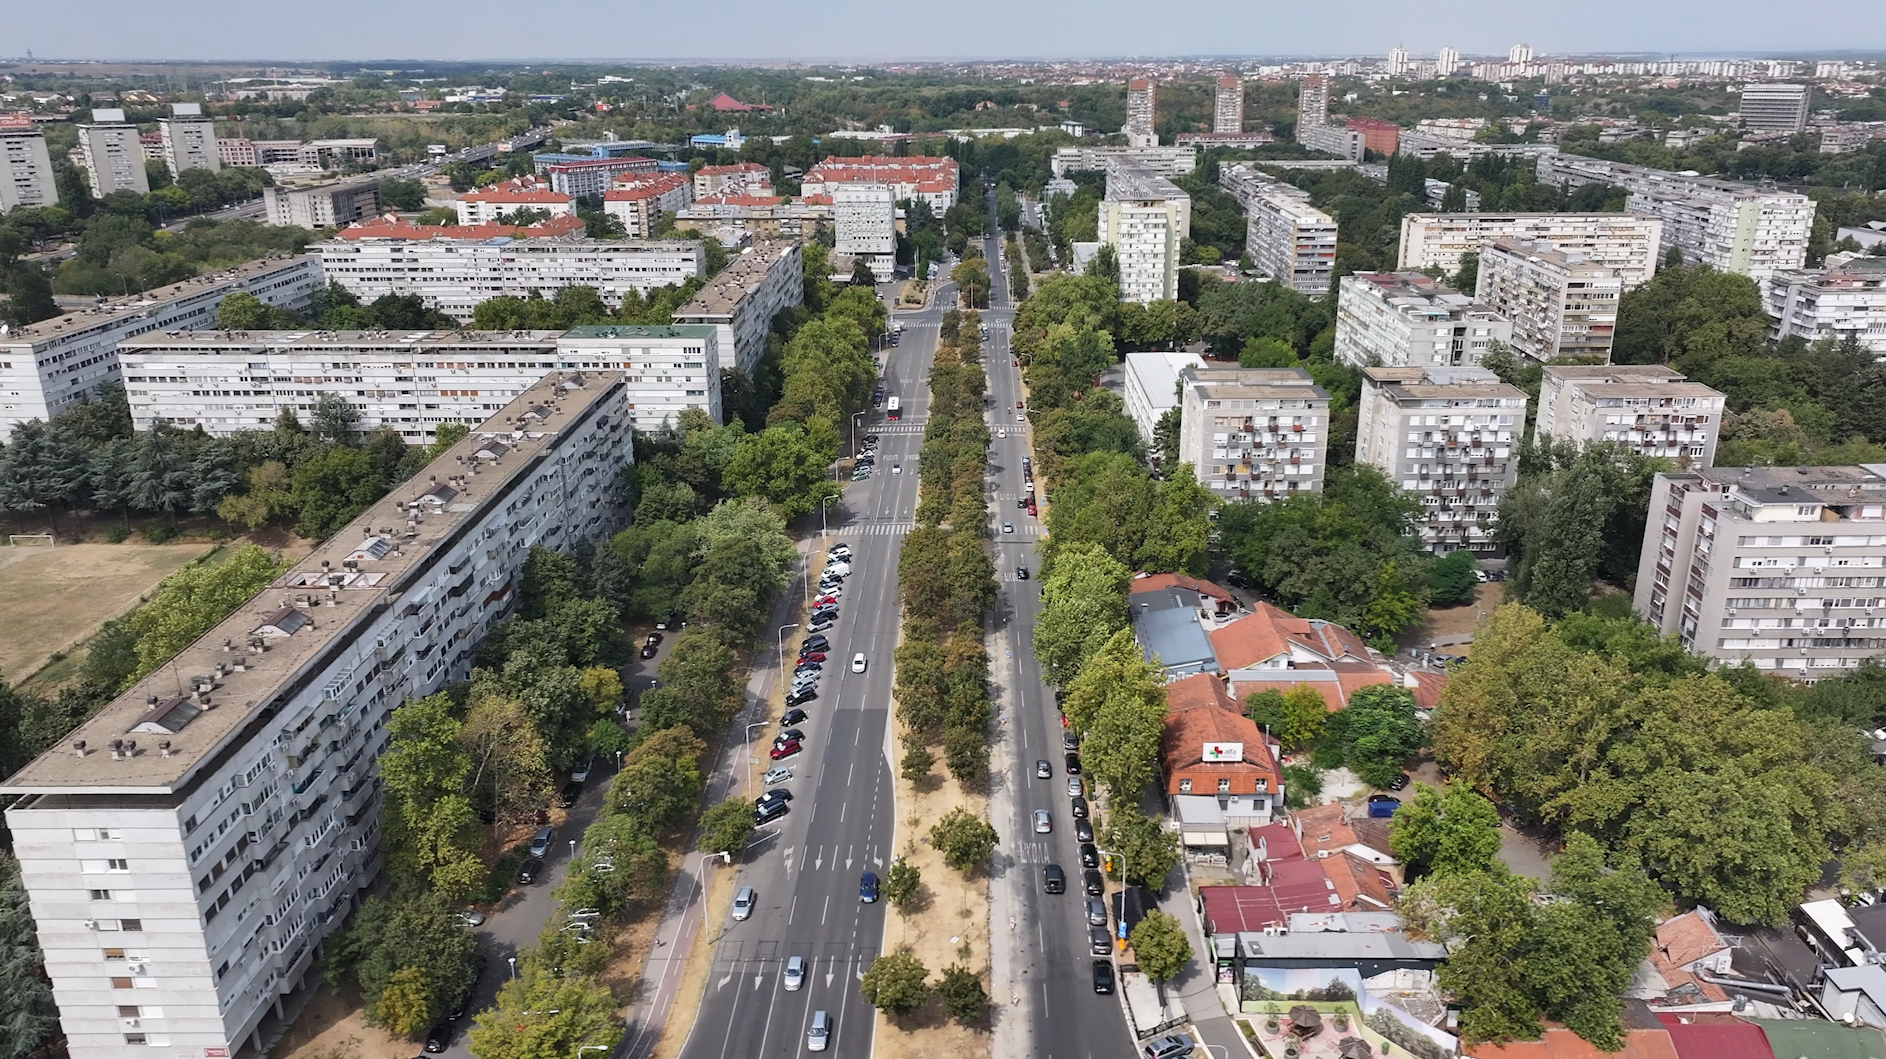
(1407, 320)
(1162, 161)
(50, 364)
(486, 205)
(741, 178)
(1560, 304)
(334, 205)
(742, 300)
(1152, 387)
(640, 203)
(1778, 566)
(454, 275)
(1728, 226)
(1627, 242)
(1139, 114)
(1775, 107)
(592, 176)
(1448, 436)
(668, 368)
(111, 154)
(1339, 140)
(932, 181)
(1145, 217)
(1647, 408)
(735, 219)
(186, 851)
(864, 220)
(1227, 111)
(1253, 433)
(189, 138)
(1288, 239)
(1447, 62)
(25, 167)
(1830, 303)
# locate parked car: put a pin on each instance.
(540, 842)
(438, 1037)
(1103, 977)
(527, 871)
(816, 643)
(1098, 942)
(1083, 830)
(1073, 763)
(1400, 781)
(768, 812)
(1074, 787)
(1070, 740)
(648, 650)
(793, 716)
(581, 775)
(569, 794)
(776, 774)
(790, 735)
(785, 750)
(1078, 806)
(1171, 1046)
(800, 698)
(1096, 912)
(1090, 855)
(1093, 883)
(471, 917)
(811, 656)
(743, 902)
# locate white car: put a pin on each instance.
(1020, 418)
(837, 569)
(897, 468)
(794, 976)
(1002, 433)
(582, 771)
(743, 903)
(1008, 527)
(857, 663)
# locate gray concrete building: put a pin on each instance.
(1450, 437)
(1561, 303)
(1648, 408)
(111, 154)
(1254, 433)
(25, 167)
(1406, 319)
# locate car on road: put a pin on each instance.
(1021, 573)
(766, 812)
(897, 468)
(581, 775)
(743, 902)
(818, 1034)
(527, 871)
(868, 888)
(569, 794)
(1073, 763)
(1020, 418)
(1171, 1046)
(790, 735)
(1002, 433)
(1043, 770)
(871, 438)
(1098, 942)
(1096, 912)
(1044, 823)
(1053, 879)
(1103, 977)
(1008, 527)
(438, 1037)
(1078, 806)
(794, 975)
(471, 917)
(794, 716)
(1074, 787)
(540, 842)
(1069, 740)
(1093, 882)
(776, 774)
(784, 750)
(811, 656)
(816, 643)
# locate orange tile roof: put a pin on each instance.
(1359, 885)
(1324, 827)
(729, 170)
(1687, 938)
(1558, 1043)
(1200, 713)
(1269, 631)
(738, 200)
(519, 189)
(1158, 582)
(1286, 681)
(632, 189)
(1427, 688)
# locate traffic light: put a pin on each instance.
(1106, 862)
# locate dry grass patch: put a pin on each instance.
(53, 598)
(331, 1026)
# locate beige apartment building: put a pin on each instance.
(1448, 436)
(1647, 408)
(1560, 303)
(1624, 241)
(1253, 433)
(1406, 319)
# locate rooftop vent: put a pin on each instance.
(78, 747)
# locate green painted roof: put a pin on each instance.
(639, 331)
(1815, 1039)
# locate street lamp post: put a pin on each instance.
(750, 727)
(855, 416)
(513, 960)
(824, 529)
(781, 637)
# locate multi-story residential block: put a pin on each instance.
(25, 166)
(487, 205)
(1152, 387)
(931, 181)
(1313, 101)
(741, 178)
(48, 365)
(1423, 144)
(1288, 239)
(1560, 303)
(111, 154)
(592, 176)
(1339, 140)
(1253, 433)
(1773, 107)
(1397, 61)
(1407, 320)
(1162, 161)
(1778, 566)
(641, 202)
(236, 152)
(1830, 303)
(1728, 226)
(734, 219)
(1647, 408)
(1139, 114)
(338, 154)
(455, 268)
(189, 139)
(741, 301)
(668, 369)
(1449, 436)
(1436, 196)
(1447, 62)
(864, 222)
(1626, 242)
(186, 851)
(1382, 137)
(1145, 217)
(1227, 111)
(332, 205)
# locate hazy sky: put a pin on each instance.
(866, 30)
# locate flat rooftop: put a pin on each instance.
(294, 630)
(701, 331)
(1245, 384)
(1614, 372)
(112, 310)
(741, 277)
(267, 342)
(1126, 183)
(1648, 389)
(1829, 486)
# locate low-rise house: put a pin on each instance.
(1220, 771)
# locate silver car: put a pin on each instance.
(1043, 822)
(794, 976)
(1073, 786)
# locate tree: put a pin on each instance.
(335, 419)
(29, 297)
(412, 958)
(966, 842)
(510, 763)
(402, 1006)
(903, 883)
(432, 834)
(972, 275)
(398, 194)
(1148, 850)
(159, 479)
(30, 1018)
(1580, 520)
(622, 864)
(726, 826)
(332, 488)
(1160, 946)
(1451, 579)
(660, 780)
(1118, 704)
(896, 984)
(1374, 733)
(962, 993)
(1446, 831)
(1293, 718)
(781, 465)
(543, 1015)
(191, 601)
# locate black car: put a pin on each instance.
(1400, 781)
(1093, 883)
(1103, 977)
(1053, 879)
(438, 1037)
(815, 643)
(801, 698)
(1078, 806)
(654, 638)
(570, 793)
(767, 812)
(1073, 764)
(794, 716)
(527, 871)
(1021, 501)
(1021, 573)
(672, 621)
(648, 650)
(790, 733)
(1090, 855)
(1083, 830)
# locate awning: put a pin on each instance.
(1205, 838)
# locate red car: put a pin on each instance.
(812, 656)
(1018, 404)
(825, 599)
(785, 749)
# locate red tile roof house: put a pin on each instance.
(1220, 773)
(486, 205)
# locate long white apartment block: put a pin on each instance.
(1145, 218)
(1449, 436)
(25, 166)
(1830, 303)
(111, 154)
(1288, 239)
(1560, 303)
(1647, 408)
(1775, 107)
(1778, 566)
(454, 275)
(331, 205)
(48, 365)
(186, 850)
(864, 223)
(1408, 320)
(1163, 161)
(1625, 241)
(1253, 433)
(189, 139)
(742, 300)
(487, 205)
(1741, 228)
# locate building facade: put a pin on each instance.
(111, 154)
(1152, 387)
(185, 853)
(1139, 114)
(741, 301)
(736, 219)
(334, 205)
(1227, 111)
(1145, 217)
(864, 223)
(1339, 140)
(668, 369)
(25, 167)
(1288, 239)
(1832, 303)
(48, 365)
(592, 176)
(189, 139)
(741, 178)
(1775, 107)
(1627, 242)
(1406, 320)
(487, 205)
(1161, 161)
(1253, 433)
(1449, 436)
(919, 178)
(1313, 101)
(1647, 408)
(1779, 566)
(1560, 304)
(641, 202)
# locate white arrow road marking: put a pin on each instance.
(849, 850)
(819, 861)
(724, 981)
(829, 975)
(876, 859)
(788, 860)
(756, 979)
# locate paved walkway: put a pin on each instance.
(1197, 986)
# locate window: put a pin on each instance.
(1224, 786)
(121, 983)
(1185, 786)
(116, 864)
(131, 924)
(114, 954)
(134, 1038)
(127, 1011)
(101, 895)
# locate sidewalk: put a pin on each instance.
(1197, 985)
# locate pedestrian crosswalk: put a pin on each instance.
(880, 529)
(902, 426)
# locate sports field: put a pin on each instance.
(51, 598)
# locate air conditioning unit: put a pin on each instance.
(138, 968)
(131, 1023)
